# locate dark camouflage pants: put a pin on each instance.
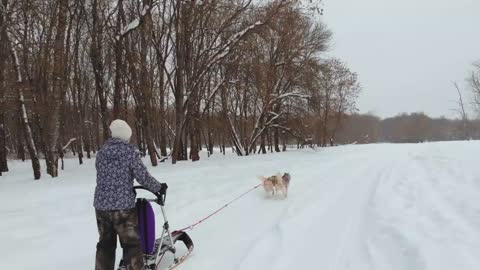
(123, 223)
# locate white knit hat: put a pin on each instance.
(120, 129)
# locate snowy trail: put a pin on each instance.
(325, 224)
(405, 207)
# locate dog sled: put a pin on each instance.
(170, 249)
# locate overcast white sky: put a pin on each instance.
(407, 52)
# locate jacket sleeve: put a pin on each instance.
(141, 174)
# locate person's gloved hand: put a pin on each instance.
(161, 193)
(163, 189)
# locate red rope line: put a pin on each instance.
(220, 209)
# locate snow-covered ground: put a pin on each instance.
(354, 207)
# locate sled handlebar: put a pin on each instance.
(160, 197)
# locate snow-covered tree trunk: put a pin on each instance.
(3, 58)
(76, 96)
(23, 112)
(79, 112)
(96, 56)
(209, 139)
(57, 90)
(146, 84)
(3, 148)
(118, 90)
(161, 41)
(179, 80)
(162, 116)
(32, 151)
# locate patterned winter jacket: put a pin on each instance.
(118, 163)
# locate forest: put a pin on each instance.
(187, 75)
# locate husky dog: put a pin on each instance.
(276, 184)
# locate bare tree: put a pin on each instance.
(24, 114)
(97, 26)
(474, 81)
(271, 78)
(463, 114)
(194, 63)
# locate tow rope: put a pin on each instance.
(220, 209)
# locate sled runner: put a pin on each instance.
(156, 249)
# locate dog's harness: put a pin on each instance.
(274, 181)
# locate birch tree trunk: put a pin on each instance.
(58, 90)
(23, 112)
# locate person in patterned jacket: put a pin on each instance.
(118, 163)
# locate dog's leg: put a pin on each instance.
(267, 194)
